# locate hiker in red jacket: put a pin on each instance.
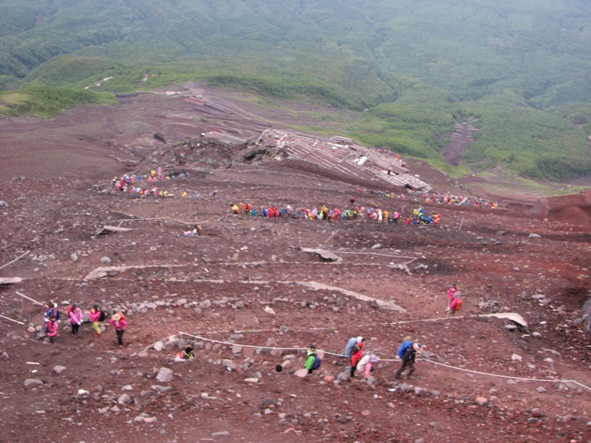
(356, 355)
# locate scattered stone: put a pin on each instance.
(58, 369)
(74, 257)
(405, 387)
(301, 373)
(124, 399)
(106, 260)
(481, 401)
(269, 403)
(229, 364)
(164, 375)
(32, 382)
(541, 390)
(516, 357)
(532, 235)
(420, 392)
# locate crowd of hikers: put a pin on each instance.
(360, 361)
(96, 315)
(364, 362)
(334, 214)
(144, 184)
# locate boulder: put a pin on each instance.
(165, 375)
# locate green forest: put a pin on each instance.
(409, 70)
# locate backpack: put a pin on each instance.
(103, 316)
(69, 310)
(405, 345)
(459, 303)
(317, 363)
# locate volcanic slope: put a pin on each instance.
(248, 297)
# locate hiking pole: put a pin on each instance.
(16, 321)
(29, 298)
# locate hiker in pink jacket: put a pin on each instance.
(51, 328)
(76, 316)
(120, 323)
(95, 318)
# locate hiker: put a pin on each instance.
(187, 354)
(120, 323)
(311, 359)
(367, 363)
(51, 328)
(454, 306)
(407, 352)
(95, 318)
(453, 292)
(76, 315)
(350, 344)
(52, 310)
(356, 355)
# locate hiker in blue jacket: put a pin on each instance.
(407, 352)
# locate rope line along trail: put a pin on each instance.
(29, 298)
(301, 348)
(487, 374)
(16, 259)
(13, 320)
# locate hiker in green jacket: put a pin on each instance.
(311, 360)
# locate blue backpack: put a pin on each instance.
(317, 363)
(405, 345)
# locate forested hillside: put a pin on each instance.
(519, 70)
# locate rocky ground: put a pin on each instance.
(248, 297)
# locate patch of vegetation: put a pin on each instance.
(45, 101)
(521, 69)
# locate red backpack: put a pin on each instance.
(459, 303)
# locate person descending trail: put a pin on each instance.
(311, 359)
(356, 355)
(407, 352)
(350, 344)
(76, 315)
(455, 305)
(453, 292)
(120, 323)
(51, 328)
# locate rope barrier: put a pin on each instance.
(11, 319)
(488, 374)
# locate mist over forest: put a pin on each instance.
(520, 72)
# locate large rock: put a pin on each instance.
(165, 375)
(124, 399)
(301, 373)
